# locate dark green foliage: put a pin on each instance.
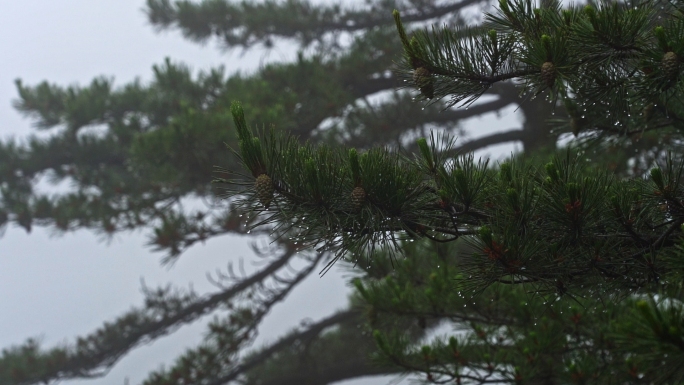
(555, 271)
(506, 334)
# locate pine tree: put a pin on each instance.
(159, 145)
(558, 271)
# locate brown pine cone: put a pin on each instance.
(264, 189)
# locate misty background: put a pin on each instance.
(58, 288)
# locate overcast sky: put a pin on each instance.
(62, 287)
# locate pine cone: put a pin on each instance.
(548, 73)
(264, 189)
(358, 196)
(422, 77)
(670, 64)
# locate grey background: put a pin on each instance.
(57, 288)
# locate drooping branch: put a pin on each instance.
(93, 355)
(247, 24)
(311, 332)
(219, 355)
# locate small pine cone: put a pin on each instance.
(648, 112)
(422, 77)
(548, 73)
(670, 64)
(264, 189)
(358, 196)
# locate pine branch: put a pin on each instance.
(95, 354)
(311, 332)
(244, 24)
(218, 355)
(608, 45)
(463, 198)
